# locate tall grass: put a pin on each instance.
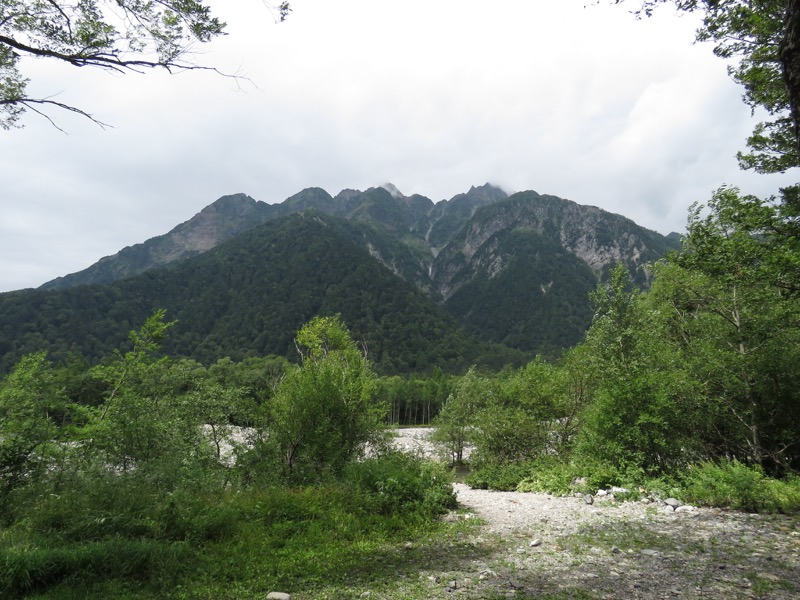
(131, 540)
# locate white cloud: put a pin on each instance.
(582, 102)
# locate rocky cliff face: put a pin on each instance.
(598, 238)
(216, 223)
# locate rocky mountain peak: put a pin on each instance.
(392, 189)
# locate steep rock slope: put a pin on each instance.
(219, 221)
(598, 238)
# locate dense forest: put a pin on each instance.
(247, 298)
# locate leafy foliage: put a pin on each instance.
(324, 411)
(119, 36)
(455, 423)
(642, 415)
(34, 417)
(741, 487)
(130, 495)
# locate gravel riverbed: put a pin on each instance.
(541, 546)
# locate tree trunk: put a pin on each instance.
(790, 62)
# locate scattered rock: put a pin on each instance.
(673, 502)
(536, 542)
(714, 551)
(279, 596)
(588, 498)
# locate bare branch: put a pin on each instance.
(31, 103)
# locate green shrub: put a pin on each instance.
(549, 476)
(396, 481)
(508, 435)
(735, 485)
(504, 477)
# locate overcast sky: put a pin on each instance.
(583, 102)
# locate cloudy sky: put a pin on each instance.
(583, 102)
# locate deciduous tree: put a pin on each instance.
(113, 35)
(324, 411)
(764, 35)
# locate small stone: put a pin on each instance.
(279, 596)
(515, 584)
(588, 498)
(649, 552)
(408, 545)
(453, 584)
(673, 502)
(685, 508)
(536, 542)
(615, 550)
(601, 493)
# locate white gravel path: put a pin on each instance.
(563, 547)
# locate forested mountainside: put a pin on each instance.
(249, 296)
(385, 207)
(422, 284)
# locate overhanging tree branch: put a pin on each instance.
(113, 35)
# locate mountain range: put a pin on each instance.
(483, 278)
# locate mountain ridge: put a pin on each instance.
(482, 269)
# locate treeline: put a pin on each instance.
(409, 400)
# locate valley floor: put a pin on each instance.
(526, 545)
